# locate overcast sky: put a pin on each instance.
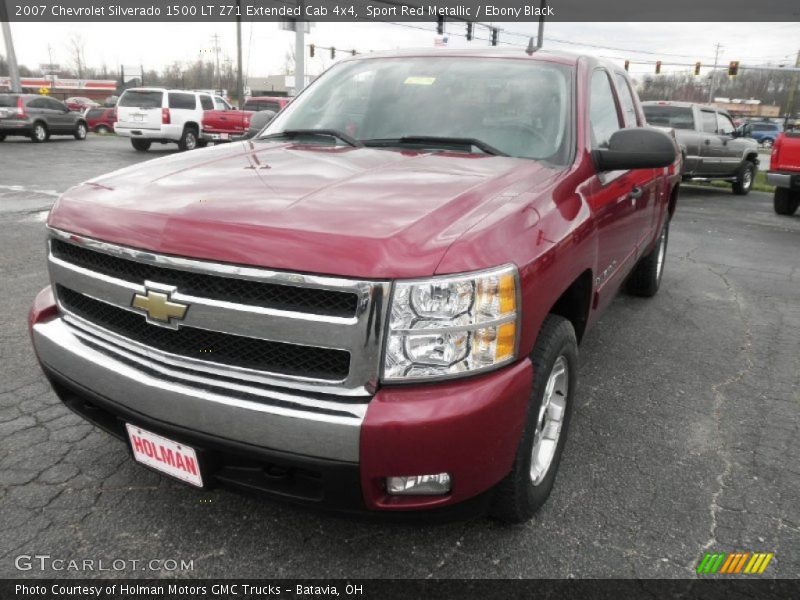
(157, 44)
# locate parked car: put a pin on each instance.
(764, 132)
(274, 103)
(382, 320)
(38, 117)
(784, 172)
(101, 120)
(80, 103)
(712, 147)
(148, 115)
(224, 122)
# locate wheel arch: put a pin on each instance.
(574, 303)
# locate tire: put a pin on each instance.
(140, 145)
(102, 130)
(188, 140)
(744, 178)
(786, 201)
(2, 137)
(647, 274)
(80, 131)
(39, 133)
(526, 488)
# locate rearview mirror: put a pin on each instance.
(637, 148)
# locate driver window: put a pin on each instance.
(725, 125)
(603, 114)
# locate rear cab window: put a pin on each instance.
(677, 117)
(181, 100)
(142, 99)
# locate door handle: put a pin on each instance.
(708, 141)
(635, 193)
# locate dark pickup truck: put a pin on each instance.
(712, 148)
(375, 304)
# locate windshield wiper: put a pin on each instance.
(334, 133)
(438, 141)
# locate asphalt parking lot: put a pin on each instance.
(686, 437)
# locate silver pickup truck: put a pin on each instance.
(712, 147)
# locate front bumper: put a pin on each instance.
(469, 428)
(784, 179)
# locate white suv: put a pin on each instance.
(148, 115)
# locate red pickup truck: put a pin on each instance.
(784, 172)
(376, 304)
(224, 122)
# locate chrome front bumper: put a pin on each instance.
(309, 424)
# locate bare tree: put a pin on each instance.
(76, 49)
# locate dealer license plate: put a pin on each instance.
(138, 118)
(165, 455)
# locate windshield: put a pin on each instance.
(678, 117)
(518, 107)
(141, 99)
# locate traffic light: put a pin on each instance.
(469, 32)
(439, 25)
(333, 53)
(733, 68)
(627, 65)
(494, 36)
(311, 50)
(658, 67)
(697, 68)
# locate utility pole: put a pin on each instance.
(215, 37)
(713, 75)
(540, 37)
(792, 92)
(13, 69)
(239, 82)
(299, 53)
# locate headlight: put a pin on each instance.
(449, 326)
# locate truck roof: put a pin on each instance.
(565, 58)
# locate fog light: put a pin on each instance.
(419, 485)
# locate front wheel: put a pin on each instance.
(646, 276)
(103, 130)
(744, 178)
(786, 201)
(140, 145)
(80, 131)
(555, 367)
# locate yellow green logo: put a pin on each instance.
(734, 563)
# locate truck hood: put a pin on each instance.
(355, 212)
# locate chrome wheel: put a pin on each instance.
(81, 131)
(747, 178)
(191, 141)
(39, 133)
(550, 420)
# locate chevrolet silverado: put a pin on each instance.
(376, 303)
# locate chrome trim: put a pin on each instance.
(361, 335)
(259, 417)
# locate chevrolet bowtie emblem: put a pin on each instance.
(158, 306)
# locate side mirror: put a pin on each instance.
(257, 122)
(638, 148)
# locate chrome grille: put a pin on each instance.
(305, 332)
